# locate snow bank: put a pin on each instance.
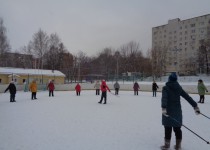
(190, 87)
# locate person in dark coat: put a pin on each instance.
(171, 108)
(136, 88)
(12, 90)
(154, 88)
(104, 89)
(78, 89)
(51, 88)
(116, 87)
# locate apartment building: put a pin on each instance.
(180, 40)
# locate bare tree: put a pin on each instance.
(204, 56)
(52, 55)
(158, 59)
(4, 44)
(131, 57)
(40, 45)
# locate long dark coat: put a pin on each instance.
(136, 86)
(171, 101)
(11, 88)
(154, 86)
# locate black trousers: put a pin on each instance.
(177, 131)
(78, 93)
(136, 93)
(154, 93)
(116, 91)
(33, 95)
(12, 97)
(103, 96)
(51, 93)
(202, 98)
(97, 91)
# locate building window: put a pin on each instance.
(192, 25)
(201, 23)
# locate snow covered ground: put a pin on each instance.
(70, 122)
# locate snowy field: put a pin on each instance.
(70, 122)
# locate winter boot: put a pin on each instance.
(178, 144)
(166, 146)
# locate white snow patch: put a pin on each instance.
(70, 122)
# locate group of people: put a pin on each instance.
(32, 87)
(170, 102)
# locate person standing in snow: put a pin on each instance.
(171, 108)
(201, 91)
(51, 88)
(97, 86)
(154, 88)
(33, 89)
(12, 90)
(116, 87)
(78, 89)
(104, 89)
(136, 88)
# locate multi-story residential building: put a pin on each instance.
(181, 40)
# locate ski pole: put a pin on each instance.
(188, 129)
(205, 116)
(114, 94)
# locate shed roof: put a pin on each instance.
(22, 71)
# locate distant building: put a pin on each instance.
(181, 41)
(22, 76)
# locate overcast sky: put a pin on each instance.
(92, 25)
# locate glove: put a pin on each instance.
(197, 110)
(164, 112)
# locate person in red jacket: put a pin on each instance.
(104, 89)
(78, 89)
(51, 88)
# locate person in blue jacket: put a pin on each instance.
(172, 112)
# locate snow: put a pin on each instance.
(22, 71)
(67, 121)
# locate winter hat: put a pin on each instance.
(172, 77)
(103, 82)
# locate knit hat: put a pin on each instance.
(172, 77)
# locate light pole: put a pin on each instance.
(117, 54)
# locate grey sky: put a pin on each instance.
(92, 25)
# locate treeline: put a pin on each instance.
(47, 51)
